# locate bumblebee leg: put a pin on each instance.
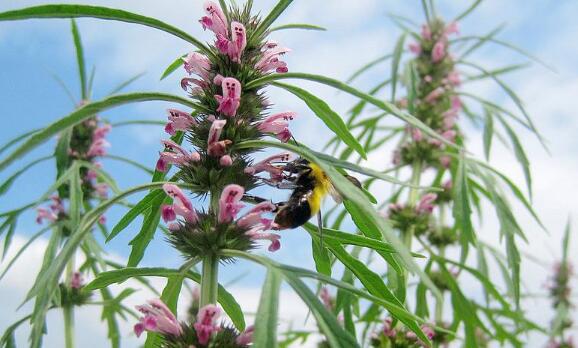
(320, 227)
(257, 200)
(283, 185)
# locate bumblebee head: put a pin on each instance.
(297, 166)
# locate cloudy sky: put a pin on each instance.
(358, 31)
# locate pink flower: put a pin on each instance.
(452, 28)
(101, 132)
(434, 95)
(197, 63)
(226, 161)
(278, 124)
(388, 330)
(266, 165)
(454, 78)
(270, 60)
(181, 205)
(439, 51)
(257, 225)
(425, 205)
(445, 161)
(425, 32)
(450, 135)
(415, 48)
(97, 147)
(215, 147)
(246, 337)
(178, 121)
(449, 118)
(456, 102)
(447, 186)
(56, 206)
(416, 134)
(101, 190)
(428, 331)
(43, 213)
(193, 86)
(239, 41)
(76, 281)
(157, 318)
(215, 19)
(206, 323)
(229, 203)
(233, 48)
(231, 99)
(326, 298)
(177, 155)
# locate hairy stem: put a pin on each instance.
(68, 309)
(210, 280)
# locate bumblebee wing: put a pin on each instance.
(335, 194)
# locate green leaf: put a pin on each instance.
(271, 17)
(173, 66)
(131, 162)
(320, 255)
(325, 114)
(461, 209)
(84, 112)
(469, 10)
(488, 132)
(520, 154)
(126, 83)
(290, 271)
(78, 11)
(22, 249)
(265, 334)
(76, 199)
(392, 109)
(397, 52)
(18, 139)
(512, 96)
(298, 26)
(142, 206)
(8, 182)
(372, 282)
(150, 223)
(327, 322)
(80, 60)
(368, 66)
(353, 239)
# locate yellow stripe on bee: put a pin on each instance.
(322, 185)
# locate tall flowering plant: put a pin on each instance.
(80, 182)
(433, 71)
(210, 154)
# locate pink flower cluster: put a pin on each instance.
(99, 144)
(52, 213)
(77, 280)
(229, 206)
(157, 317)
(439, 49)
(268, 165)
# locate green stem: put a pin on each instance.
(413, 198)
(68, 312)
(209, 280)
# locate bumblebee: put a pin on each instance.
(310, 186)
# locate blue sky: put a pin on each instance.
(33, 51)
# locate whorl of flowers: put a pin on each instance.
(230, 112)
(561, 296)
(436, 103)
(72, 293)
(405, 217)
(197, 233)
(87, 143)
(204, 331)
(390, 336)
